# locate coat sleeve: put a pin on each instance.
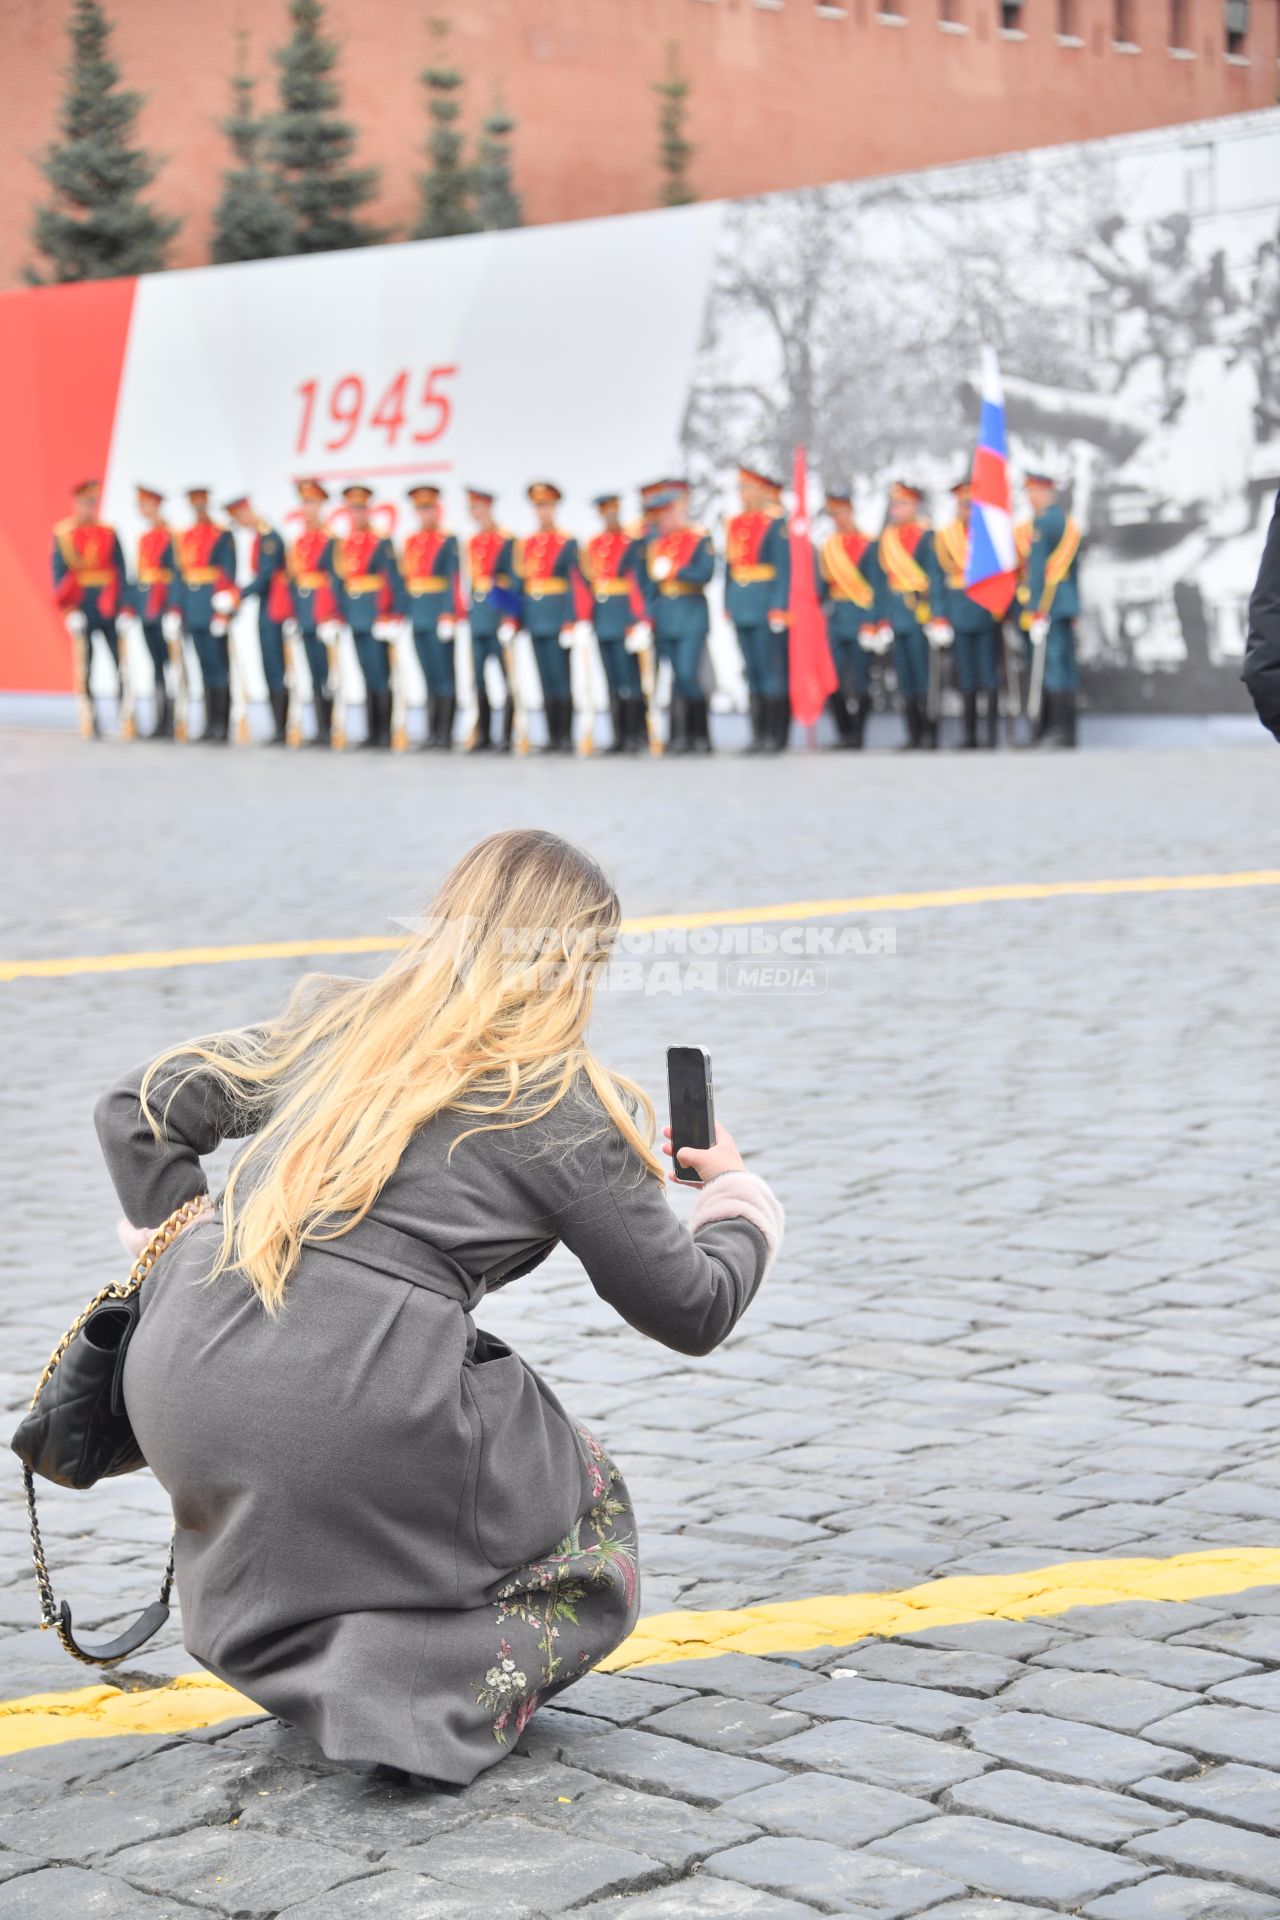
(150, 1176)
(701, 564)
(1261, 672)
(685, 1288)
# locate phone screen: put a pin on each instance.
(692, 1111)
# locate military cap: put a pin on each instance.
(196, 494)
(764, 479)
(153, 494)
(357, 494)
(838, 497)
(423, 495)
(1036, 476)
(83, 487)
(963, 485)
(603, 500)
(665, 492)
(237, 501)
(543, 493)
(905, 490)
(311, 490)
(482, 493)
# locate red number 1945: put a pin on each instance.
(425, 409)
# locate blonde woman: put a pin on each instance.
(389, 1531)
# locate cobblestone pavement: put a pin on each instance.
(1025, 1314)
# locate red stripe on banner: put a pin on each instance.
(61, 357)
(991, 478)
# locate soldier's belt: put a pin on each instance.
(201, 576)
(610, 589)
(679, 590)
(751, 576)
(427, 583)
(362, 582)
(311, 582)
(552, 584)
(152, 576)
(94, 576)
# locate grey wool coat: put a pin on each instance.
(390, 1533)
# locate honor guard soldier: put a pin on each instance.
(270, 582)
(315, 610)
(88, 588)
(153, 603)
(492, 609)
(908, 581)
(977, 631)
(207, 597)
(758, 581)
(545, 564)
(614, 614)
(680, 562)
(429, 600)
(1051, 608)
(365, 579)
(846, 563)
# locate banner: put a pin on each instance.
(1131, 287)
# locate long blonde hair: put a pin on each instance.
(483, 1014)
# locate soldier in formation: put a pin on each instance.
(639, 590)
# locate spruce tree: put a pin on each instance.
(311, 146)
(250, 221)
(445, 188)
(96, 225)
(674, 150)
(497, 202)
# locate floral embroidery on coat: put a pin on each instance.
(595, 1551)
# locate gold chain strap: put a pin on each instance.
(51, 1615)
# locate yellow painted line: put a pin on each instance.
(789, 910)
(787, 1626)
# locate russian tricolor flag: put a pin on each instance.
(991, 576)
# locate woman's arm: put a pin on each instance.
(152, 1176)
(684, 1286)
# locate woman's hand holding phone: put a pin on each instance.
(707, 1162)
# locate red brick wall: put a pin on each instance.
(784, 95)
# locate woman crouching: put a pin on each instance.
(389, 1531)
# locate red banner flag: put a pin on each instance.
(813, 672)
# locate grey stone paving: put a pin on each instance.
(1027, 1313)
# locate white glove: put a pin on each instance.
(660, 568)
(223, 601)
(330, 632)
(1039, 631)
(567, 636)
(444, 628)
(939, 634)
(217, 626)
(639, 638)
(778, 621)
(879, 639)
(171, 624)
(292, 631)
(386, 629)
(76, 624)
(506, 632)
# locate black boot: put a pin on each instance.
(566, 723)
(991, 715)
(929, 735)
(678, 730)
(550, 714)
(913, 714)
(769, 740)
(484, 720)
(617, 713)
(1042, 733)
(782, 721)
(324, 721)
(162, 726)
(506, 723)
(858, 730)
(700, 724)
(1068, 719)
(382, 718)
(219, 711)
(838, 708)
(970, 720)
(756, 709)
(431, 729)
(445, 716)
(279, 700)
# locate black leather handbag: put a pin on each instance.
(77, 1432)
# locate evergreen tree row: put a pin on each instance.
(293, 185)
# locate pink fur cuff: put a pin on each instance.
(740, 1196)
(134, 1239)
